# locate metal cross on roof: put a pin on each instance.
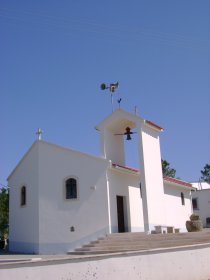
(39, 133)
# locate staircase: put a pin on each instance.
(128, 242)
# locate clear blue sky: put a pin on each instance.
(55, 54)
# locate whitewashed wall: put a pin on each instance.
(175, 213)
(23, 220)
(112, 147)
(88, 214)
(126, 185)
(151, 176)
(203, 200)
(136, 209)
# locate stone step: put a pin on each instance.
(141, 240)
(138, 246)
(124, 242)
(98, 252)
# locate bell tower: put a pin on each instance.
(112, 130)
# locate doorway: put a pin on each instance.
(120, 214)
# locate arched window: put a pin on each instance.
(182, 198)
(23, 196)
(71, 188)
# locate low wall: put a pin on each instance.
(182, 263)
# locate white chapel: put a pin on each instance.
(61, 199)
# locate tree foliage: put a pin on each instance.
(167, 170)
(206, 173)
(4, 211)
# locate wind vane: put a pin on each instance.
(112, 88)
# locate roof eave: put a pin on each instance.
(177, 182)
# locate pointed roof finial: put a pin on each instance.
(119, 100)
(39, 134)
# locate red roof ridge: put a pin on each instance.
(178, 181)
(125, 167)
(166, 178)
(154, 124)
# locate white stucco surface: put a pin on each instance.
(203, 202)
(176, 214)
(136, 209)
(151, 177)
(182, 264)
(126, 185)
(47, 228)
(88, 214)
(24, 220)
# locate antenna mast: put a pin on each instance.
(112, 88)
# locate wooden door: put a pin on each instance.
(120, 214)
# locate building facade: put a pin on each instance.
(61, 199)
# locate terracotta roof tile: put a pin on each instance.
(155, 125)
(125, 167)
(177, 181)
(169, 179)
